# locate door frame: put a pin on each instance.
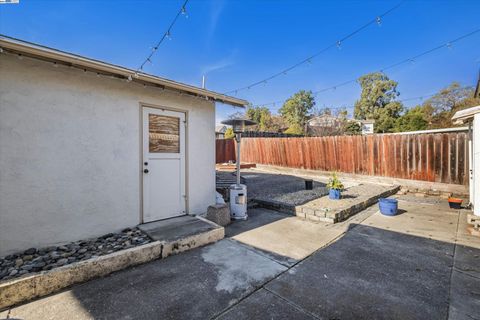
(143, 105)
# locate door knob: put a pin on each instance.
(145, 171)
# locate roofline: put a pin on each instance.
(464, 115)
(45, 53)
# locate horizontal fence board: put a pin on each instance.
(435, 157)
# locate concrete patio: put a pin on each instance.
(420, 264)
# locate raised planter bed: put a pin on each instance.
(355, 199)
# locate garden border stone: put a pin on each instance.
(28, 287)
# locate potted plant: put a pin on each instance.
(455, 203)
(335, 187)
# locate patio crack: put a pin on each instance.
(293, 304)
(453, 266)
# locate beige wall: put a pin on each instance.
(70, 163)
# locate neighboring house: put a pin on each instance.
(88, 148)
(324, 125)
(367, 126)
(220, 131)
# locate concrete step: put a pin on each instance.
(182, 233)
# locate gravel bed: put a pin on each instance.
(281, 188)
(35, 260)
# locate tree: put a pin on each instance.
(322, 111)
(413, 120)
(262, 116)
(297, 109)
(352, 128)
(294, 129)
(440, 108)
(377, 101)
(229, 134)
(342, 114)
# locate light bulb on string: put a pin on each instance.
(168, 35)
(379, 21)
(184, 12)
(449, 45)
(339, 44)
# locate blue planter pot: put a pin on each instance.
(334, 194)
(388, 207)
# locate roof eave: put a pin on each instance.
(45, 53)
(465, 115)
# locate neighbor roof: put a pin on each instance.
(220, 128)
(463, 115)
(33, 50)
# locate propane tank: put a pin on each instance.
(238, 201)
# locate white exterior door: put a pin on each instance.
(163, 164)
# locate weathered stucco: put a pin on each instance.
(70, 152)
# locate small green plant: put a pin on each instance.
(335, 183)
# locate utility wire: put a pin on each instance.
(408, 60)
(338, 43)
(167, 34)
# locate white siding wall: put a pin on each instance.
(476, 165)
(70, 163)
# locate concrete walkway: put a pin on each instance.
(418, 265)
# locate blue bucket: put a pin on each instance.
(388, 207)
(334, 194)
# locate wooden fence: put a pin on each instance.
(225, 150)
(437, 157)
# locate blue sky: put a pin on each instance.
(238, 42)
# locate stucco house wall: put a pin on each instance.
(70, 152)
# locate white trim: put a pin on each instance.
(463, 115)
(444, 130)
(145, 156)
(45, 53)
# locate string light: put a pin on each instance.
(410, 60)
(306, 60)
(166, 35)
(379, 21)
(184, 12)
